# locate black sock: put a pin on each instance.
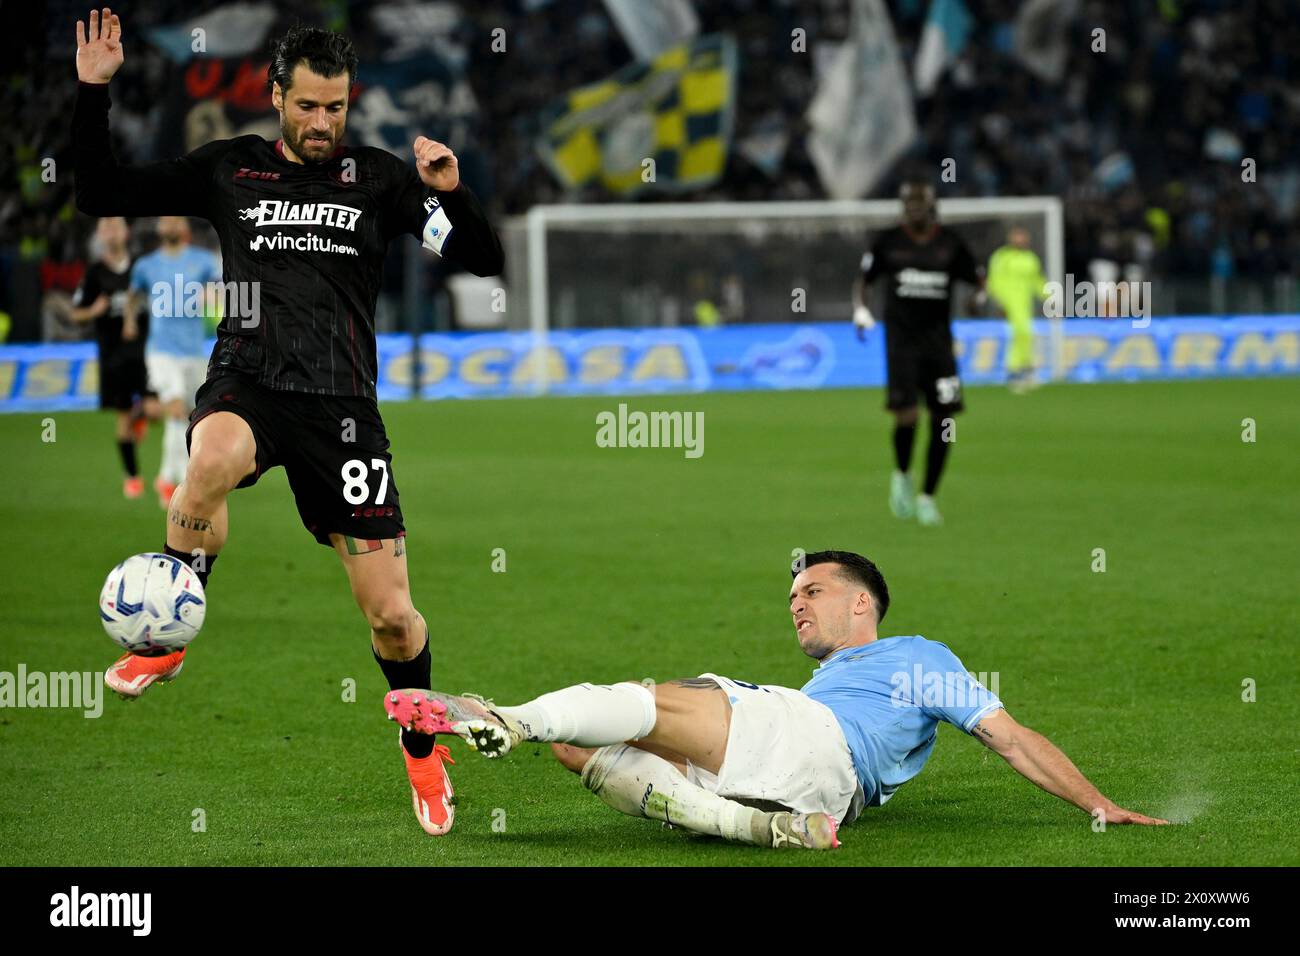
(417, 672)
(127, 450)
(202, 569)
(904, 435)
(935, 457)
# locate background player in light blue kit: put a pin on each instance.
(167, 283)
(765, 764)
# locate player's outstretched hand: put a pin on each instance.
(436, 164)
(99, 52)
(1115, 814)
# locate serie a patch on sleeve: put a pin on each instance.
(437, 227)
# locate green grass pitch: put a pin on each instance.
(635, 563)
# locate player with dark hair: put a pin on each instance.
(921, 259)
(762, 764)
(304, 224)
(123, 382)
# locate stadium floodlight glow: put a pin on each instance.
(769, 243)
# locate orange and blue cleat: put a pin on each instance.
(133, 674)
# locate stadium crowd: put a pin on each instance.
(1145, 142)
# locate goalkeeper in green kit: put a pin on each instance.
(1015, 281)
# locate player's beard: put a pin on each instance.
(314, 152)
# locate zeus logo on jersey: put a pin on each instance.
(280, 212)
(922, 284)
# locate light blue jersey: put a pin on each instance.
(889, 697)
(170, 285)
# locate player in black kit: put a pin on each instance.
(921, 260)
(304, 224)
(123, 381)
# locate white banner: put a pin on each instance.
(230, 30)
(1040, 36)
(861, 118)
(651, 26)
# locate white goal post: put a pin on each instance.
(589, 258)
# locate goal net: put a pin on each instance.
(689, 264)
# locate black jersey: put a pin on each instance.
(303, 244)
(918, 301)
(102, 279)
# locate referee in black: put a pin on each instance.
(921, 260)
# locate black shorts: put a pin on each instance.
(932, 373)
(333, 449)
(123, 380)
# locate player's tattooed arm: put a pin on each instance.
(189, 522)
(399, 547)
(696, 683)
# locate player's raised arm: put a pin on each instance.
(1042, 763)
(99, 50)
(103, 188)
(436, 207)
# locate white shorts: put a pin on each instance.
(785, 748)
(175, 376)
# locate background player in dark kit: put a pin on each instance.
(304, 224)
(123, 382)
(921, 259)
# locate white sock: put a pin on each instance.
(640, 784)
(174, 456)
(587, 715)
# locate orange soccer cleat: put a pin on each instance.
(432, 796)
(133, 674)
(133, 487)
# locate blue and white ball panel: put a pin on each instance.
(152, 602)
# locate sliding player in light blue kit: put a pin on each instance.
(763, 764)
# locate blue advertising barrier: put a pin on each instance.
(808, 355)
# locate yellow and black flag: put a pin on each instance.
(675, 110)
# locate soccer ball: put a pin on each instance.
(152, 604)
